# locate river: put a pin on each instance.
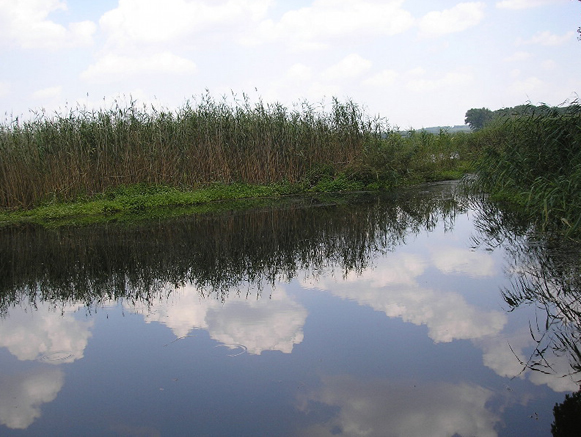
(421, 312)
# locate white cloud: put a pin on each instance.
(382, 79)
(351, 66)
(178, 21)
(21, 395)
(548, 39)
(518, 56)
(47, 93)
(45, 334)
(315, 26)
(4, 89)
(450, 80)
(526, 4)
(549, 64)
(256, 325)
(299, 72)
(526, 86)
(370, 408)
(112, 67)
(456, 19)
(25, 23)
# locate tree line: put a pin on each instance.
(478, 118)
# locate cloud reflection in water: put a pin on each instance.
(255, 324)
(384, 408)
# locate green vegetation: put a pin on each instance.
(127, 160)
(478, 118)
(533, 159)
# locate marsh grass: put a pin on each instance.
(535, 160)
(83, 154)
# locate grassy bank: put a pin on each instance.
(534, 160)
(133, 158)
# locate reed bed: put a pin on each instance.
(87, 152)
(535, 160)
(81, 153)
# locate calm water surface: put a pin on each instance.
(415, 314)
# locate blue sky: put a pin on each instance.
(416, 63)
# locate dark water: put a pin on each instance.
(420, 313)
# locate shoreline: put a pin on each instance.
(137, 203)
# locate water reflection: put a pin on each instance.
(23, 393)
(212, 253)
(384, 408)
(255, 325)
(393, 287)
(40, 333)
(545, 271)
(249, 280)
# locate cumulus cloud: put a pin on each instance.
(315, 26)
(112, 67)
(384, 78)
(254, 325)
(178, 21)
(45, 335)
(526, 4)
(547, 39)
(526, 86)
(549, 64)
(26, 24)
(47, 93)
(518, 56)
(351, 66)
(299, 72)
(382, 407)
(456, 19)
(21, 395)
(4, 89)
(420, 84)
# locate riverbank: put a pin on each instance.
(144, 202)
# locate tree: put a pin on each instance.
(478, 118)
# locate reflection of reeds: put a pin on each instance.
(215, 253)
(84, 152)
(546, 271)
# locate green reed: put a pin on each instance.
(83, 152)
(535, 160)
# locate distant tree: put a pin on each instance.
(478, 118)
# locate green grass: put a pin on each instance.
(136, 202)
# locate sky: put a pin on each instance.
(415, 63)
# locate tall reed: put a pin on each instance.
(86, 152)
(535, 159)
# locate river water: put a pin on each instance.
(418, 313)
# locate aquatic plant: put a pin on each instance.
(81, 152)
(534, 159)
